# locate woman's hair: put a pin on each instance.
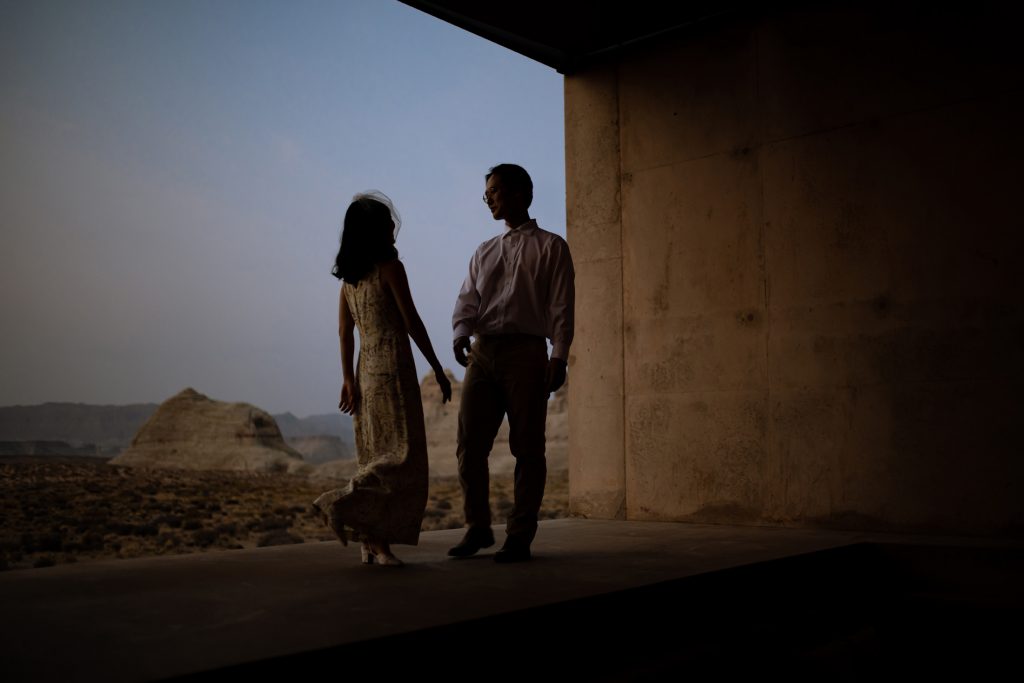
(366, 236)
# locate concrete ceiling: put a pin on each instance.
(569, 34)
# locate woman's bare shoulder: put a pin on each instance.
(391, 268)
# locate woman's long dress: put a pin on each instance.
(385, 500)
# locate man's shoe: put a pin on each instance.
(474, 540)
(513, 551)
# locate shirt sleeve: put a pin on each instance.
(563, 300)
(467, 305)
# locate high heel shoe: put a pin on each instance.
(367, 554)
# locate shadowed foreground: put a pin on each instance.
(604, 600)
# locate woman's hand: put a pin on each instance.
(350, 397)
(444, 384)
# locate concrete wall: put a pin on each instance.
(597, 471)
(797, 243)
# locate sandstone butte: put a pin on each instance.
(192, 431)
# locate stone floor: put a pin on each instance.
(612, 600)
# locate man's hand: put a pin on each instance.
(460, 347)
(554, 376)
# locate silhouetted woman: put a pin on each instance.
(385, 500)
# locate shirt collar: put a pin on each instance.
(527, 227)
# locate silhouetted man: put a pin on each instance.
(519, 291)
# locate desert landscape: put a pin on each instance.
(66, 509)
(201, 475)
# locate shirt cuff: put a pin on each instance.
(462, 330)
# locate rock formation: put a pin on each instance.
(330, 424)
(442, 421)
(191, 431)
(106, 430)
(320, 449)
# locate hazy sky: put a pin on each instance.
(173, 177)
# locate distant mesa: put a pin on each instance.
(192, 431)
(100, 430)
(51, 448)
(321, 449)
(105, 431)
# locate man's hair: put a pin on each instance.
(514, 178)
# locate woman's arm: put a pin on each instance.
(396, 279)
(346, 325)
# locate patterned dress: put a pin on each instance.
(385, 500)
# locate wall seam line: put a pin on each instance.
(622, 298)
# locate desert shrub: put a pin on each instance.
(278, 537)
(168, 539)
(269, 523)
(145, 530)
(227, 529)
(192, 524)
(92, 519)
(41, 542)
(204, 538)
(43, 561)
(91, 542)
(173, 521)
